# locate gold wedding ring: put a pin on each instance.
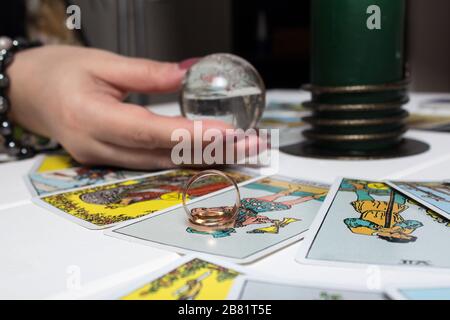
(211, 219)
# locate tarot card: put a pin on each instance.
(192, 277)
(274, 212)
(433, 195)
(283, 115)
(428, 121)
(276, 105)
(420, 292)
(281, 120)
(366, 222)
(259, 288)
(53, 162)
(48, 182)
(103, 206)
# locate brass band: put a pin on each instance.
(355, 107)
(314, 135)
(317, 121)
(359, 88)
(211, 219)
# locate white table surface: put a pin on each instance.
(42, 254)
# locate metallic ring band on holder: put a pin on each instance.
(355, 107)
(210, 219)
(8, 48)
(398, 118)
(315, 89)
(313, 135)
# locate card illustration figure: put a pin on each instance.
(433, 195)
(274, 212)
(102, 206)
(189, 278)
(255, 288)
(364, 222)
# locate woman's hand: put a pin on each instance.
(74, 95)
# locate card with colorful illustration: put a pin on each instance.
(368, 222)
(433, 195)
(421, 292)
(274, 213)
(105, 205)
(57, 172)
(192, 277)
(259, 288)
(48, 182)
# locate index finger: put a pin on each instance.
(133, 126)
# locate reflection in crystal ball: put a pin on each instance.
(223, 87)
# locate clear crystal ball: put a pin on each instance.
(223, 87)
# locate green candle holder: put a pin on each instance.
(358, 81)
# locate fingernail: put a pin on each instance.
(186, 64)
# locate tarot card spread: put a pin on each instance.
(102, 206)
(433, 195)
(365, 222)
(274, 212)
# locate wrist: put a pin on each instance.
(8, 48)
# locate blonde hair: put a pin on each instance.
(46, 22)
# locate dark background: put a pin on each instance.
(12, 15)
(272, 34)
(286, 46)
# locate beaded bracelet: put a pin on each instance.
(8, 48)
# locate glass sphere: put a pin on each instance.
(223, 87)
